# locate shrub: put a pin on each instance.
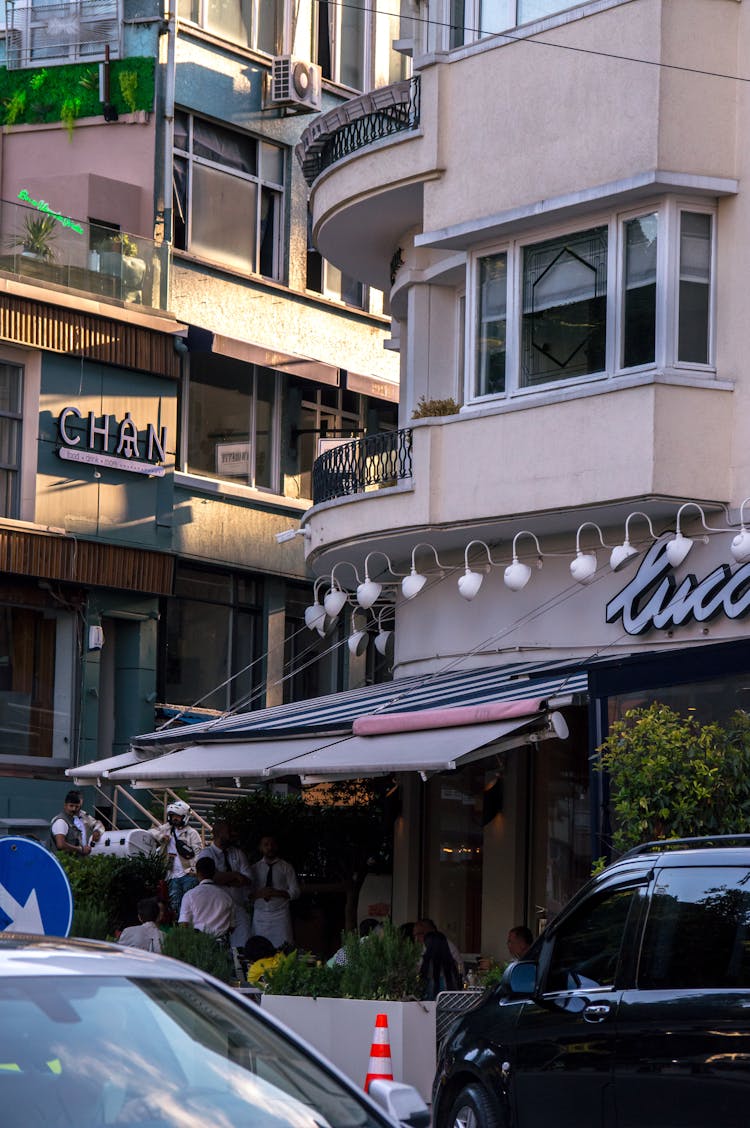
(300, 974)
(90, 923)
(199, 949)
(426, 409)
(383, 966)
(673, 777)
(112, 886)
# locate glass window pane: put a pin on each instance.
(270, 212)
(695, 287)
(225, 147)
(219, 412)
(687, 906)
(10, 443)
(270, 27)
(271, 163)
(458, 23)
(231, 19)
(181, 127)
(492, 16)
(197, 653)
(587, 947)
(564, 319)
(27, 680)
(264, 428)
(223, 217)
(529, 10)
(352, 54)
(491, 324)
(639, 330)
(180, 203)
(10, 388)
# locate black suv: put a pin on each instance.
(632, 1010)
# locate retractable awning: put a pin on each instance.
(427, 751)
(88, 773)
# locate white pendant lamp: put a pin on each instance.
(623, 554)
(583, 567)
(518, 574)
(740, 546)
(679, 546)
(471, 581)
(412, 584)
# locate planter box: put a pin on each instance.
(342, 1029)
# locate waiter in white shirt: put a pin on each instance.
(275, 886)
(207, 906)
(233, 873)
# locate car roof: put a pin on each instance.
(23, 954)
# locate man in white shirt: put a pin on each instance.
(73, 831)
(146, 935)
(233, 873)
(208, 907)
(275, 886)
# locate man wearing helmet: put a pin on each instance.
(182, 844)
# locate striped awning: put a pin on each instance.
(336, 713)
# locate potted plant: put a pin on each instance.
(39, 233)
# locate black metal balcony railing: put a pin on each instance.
(356, 124)
(373, 462)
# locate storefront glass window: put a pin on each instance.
(561, 850)
(313, 666)
(453, 854)
(28, 643)
(708, 701)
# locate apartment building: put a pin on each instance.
(174, 353)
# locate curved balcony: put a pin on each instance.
(356, 124)
(370, 463)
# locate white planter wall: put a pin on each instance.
(342, 1030)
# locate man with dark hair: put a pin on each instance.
(208, 907)
(520, 939)
(72, 830)
(275, 886)
(146, 935)
(233, 873)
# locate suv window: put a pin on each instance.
(586, 948)
(698, 930)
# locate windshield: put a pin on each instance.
(96, 1052)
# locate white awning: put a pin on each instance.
(98, 769)
(427, 752)
(249, 759)
(345, 757)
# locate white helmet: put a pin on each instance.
(179, 808)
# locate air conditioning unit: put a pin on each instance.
(295, 84)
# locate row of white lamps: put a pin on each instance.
(517, 574)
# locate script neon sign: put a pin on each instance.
(43, 206)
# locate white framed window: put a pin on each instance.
(48, 32)
(228, 197)
(624, 292)
(467, 21)
(257, 24)
(345, 42)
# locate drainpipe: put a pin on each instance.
(163, 226)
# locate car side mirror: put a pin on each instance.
(519, 980)
(402, 1103)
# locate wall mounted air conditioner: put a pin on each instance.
(294, 84)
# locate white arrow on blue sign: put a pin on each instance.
(35, 894)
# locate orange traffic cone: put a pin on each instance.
(381, 1066)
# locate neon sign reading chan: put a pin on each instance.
(43, 206)
(112, 443)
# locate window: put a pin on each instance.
(11, 422)
(232, 421)
(228, 196)
(258, 24)
(326, 279)
(587, 946)
(344, 33)
(471, 20)
(212, 641)
(313, 666)
(623, 294)
(312, 412)
(49, 32)
(698, 930)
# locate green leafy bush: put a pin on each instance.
(673, 777)
(129, 89)
(299, 974)
(383, 966)
(427, 409)
(199, 949)
(112, 886)
(90, 923)
(72, 91)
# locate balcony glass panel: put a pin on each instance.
(44, 245)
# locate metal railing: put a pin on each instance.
(370, 463)
(356, 124)
(42, 244)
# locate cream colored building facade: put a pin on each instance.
(560, 223)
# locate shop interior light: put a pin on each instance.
(412, 584)
(740, 547)
(679, 546)
(583, 567)
(470, 583)
(518, 574)
(623, 554)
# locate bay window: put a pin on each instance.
(228, 196)
(629, 293)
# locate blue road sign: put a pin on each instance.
(35, 892)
